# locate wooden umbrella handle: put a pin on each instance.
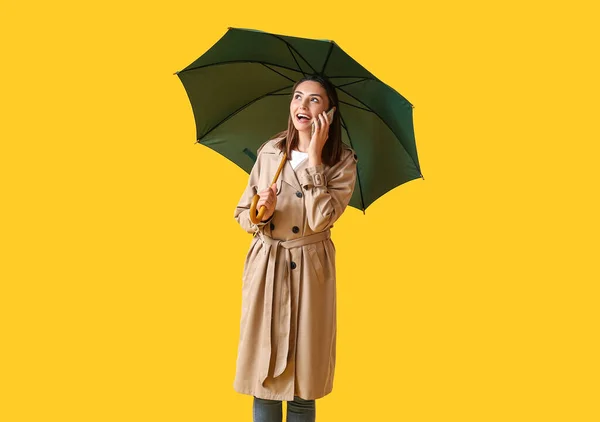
(256, 217)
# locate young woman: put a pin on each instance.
(287, 343)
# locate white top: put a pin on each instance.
(298, 157)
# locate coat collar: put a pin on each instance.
(288, 174)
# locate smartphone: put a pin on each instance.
(329, 117)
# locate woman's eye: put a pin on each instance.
(296, 96)
(316, 99)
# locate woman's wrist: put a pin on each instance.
(314, 160)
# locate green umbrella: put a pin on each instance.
(240, 91)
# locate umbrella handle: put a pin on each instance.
(256, 217)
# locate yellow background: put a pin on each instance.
(471, 295)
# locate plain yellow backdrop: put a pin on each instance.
(471, 295)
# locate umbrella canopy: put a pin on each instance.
(240, 91)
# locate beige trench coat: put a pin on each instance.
(287, 342)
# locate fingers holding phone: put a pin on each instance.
(320, 131)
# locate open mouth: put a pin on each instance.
(303, 118)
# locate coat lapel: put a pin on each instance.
(303, 164)
(288, 174)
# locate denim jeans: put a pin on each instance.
(299, 410)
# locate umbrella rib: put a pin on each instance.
(355, 106)
(281, 74)
(290, 47)
(350, 83)
(357, 173)
(327, 58)
(352, 77)
(294, 57)
(241, 108)
(346, 92)
(385, 123)
(239, 61)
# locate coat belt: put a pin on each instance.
(281, 328)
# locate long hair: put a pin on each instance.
(332, 150)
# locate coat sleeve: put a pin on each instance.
(242, 211)
(328, 195)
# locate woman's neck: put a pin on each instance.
(303, 141)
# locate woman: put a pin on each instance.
(288, 325)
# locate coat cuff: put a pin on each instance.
(313, 176)
(257, 227)
(267, 221)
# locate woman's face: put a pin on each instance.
(309, 99)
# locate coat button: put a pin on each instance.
(295, 229)
(293, 265)
(272, 226)
(299, 194)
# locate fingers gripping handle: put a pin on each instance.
(256, 217)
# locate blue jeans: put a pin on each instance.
(299, 410)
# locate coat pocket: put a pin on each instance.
(316, 263)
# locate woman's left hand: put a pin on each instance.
(315, 148)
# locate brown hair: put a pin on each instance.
(332, 150)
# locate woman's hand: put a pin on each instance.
(268, 198)
(317, 142)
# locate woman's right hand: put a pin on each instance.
(268, 198)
